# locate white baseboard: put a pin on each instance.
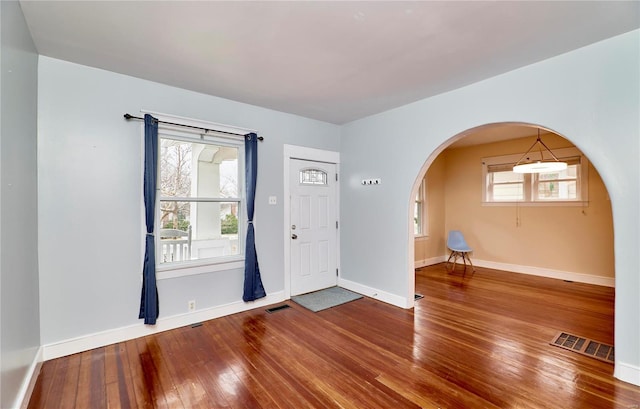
(430, 261)
(374, 293)
(627, 373)
(547, 272)
(29, 381)
(100, 339)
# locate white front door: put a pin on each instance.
(314, 226)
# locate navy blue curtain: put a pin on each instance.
(253, 288)
(149, 305)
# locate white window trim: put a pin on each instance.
(528, 184)
(210, 265)
(424, 228)
(195, 267)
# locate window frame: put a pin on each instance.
(531, 181)
(489, 183)
(535, 182)
(181, 133)
(421, 201)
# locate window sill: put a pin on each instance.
(189, 268)
(567, 203)
(421, 237)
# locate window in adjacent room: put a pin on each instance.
(563, 185)
(502, 185)
(420, 211)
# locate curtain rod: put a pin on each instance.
(129, 116)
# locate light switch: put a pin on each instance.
(273, 200)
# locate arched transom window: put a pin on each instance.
(312, 176)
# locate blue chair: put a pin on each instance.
(459, 249)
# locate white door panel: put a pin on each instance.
(313, 208)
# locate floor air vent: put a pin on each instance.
(278, 308)
(584, 346)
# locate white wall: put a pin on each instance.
(590, 96)
(90, 197)
(19, 312)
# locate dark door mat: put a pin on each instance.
(327, 298)
(584, 346)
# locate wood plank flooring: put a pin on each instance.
(479, 341)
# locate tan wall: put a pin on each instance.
(576, 239)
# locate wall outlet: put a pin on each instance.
(191, 305)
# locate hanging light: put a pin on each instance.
(541, 165)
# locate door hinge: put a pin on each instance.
(336, 224)
(336, 177)
(336, 272)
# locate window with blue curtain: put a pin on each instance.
(199, 192)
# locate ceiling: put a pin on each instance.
(496, 133)
(329, 60)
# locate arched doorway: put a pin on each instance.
(573, 232)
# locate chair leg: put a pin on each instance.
(472, 267)
(449, 260)
(465, 257)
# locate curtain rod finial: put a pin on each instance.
(127, 116)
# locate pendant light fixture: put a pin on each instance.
(525, 165)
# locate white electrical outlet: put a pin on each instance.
(191, 305)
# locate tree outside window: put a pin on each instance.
(199, 200)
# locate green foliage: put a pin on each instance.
(180, 225)
(229, 224)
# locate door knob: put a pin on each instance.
(294, 236)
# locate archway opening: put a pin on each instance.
(558, 226)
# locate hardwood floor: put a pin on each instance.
(481, 341)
